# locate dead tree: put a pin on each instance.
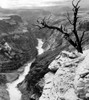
(77, 43)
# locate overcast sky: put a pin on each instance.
(15, 4)
(28, 3)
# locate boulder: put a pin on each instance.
(70, 82)
(64, 58)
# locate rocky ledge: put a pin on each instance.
(71, 80)
(65, 77)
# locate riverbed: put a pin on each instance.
(14, 93)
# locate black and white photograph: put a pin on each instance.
(44, 50)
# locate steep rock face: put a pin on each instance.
(22, 42)
(82, 79)
(32, 86)
(52, 41)
(70, 82)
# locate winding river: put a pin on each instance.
(14, 93)
(39, 47)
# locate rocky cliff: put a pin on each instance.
(14, 32)
(70, 81)
(66, 77)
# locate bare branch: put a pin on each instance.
(60, 29)
(43, 23)
(75, 20)
(73, 4)
(81, 39)
(68, 18)
(70, 40)
(38, 26)
(76, 3)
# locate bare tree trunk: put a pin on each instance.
(79, 48)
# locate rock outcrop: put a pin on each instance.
(70, 82)
(33, 84)
(21, 41)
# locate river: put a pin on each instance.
(14, 93)
(39, 47)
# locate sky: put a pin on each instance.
(14, 4)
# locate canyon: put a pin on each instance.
(14, 93)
